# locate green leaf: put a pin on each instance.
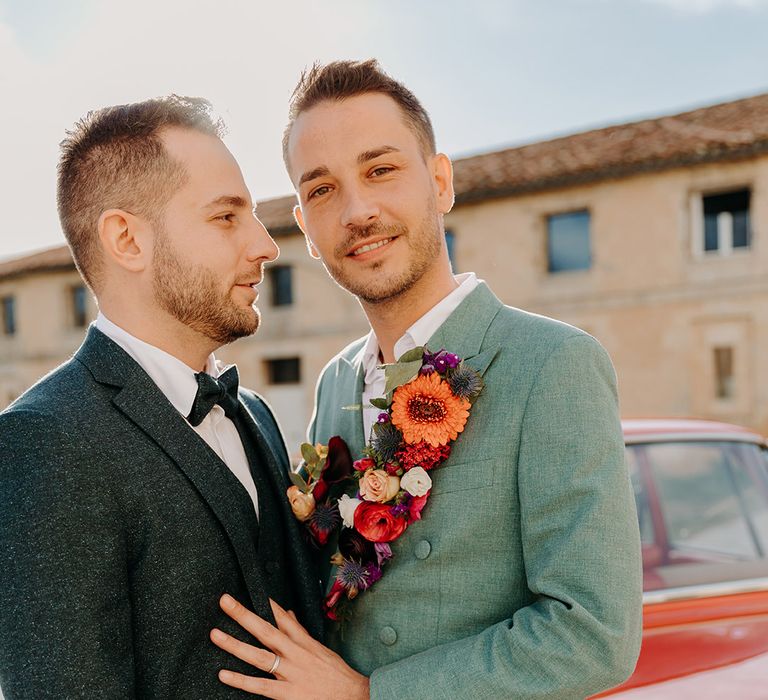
(381, 404)
(399, 374)
(316, 470)
(412, 355)
(309, 453)
(298, 481)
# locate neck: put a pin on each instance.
(392, 318)
(156, 327)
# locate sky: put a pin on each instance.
(492, 73)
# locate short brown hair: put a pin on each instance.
(342, 79)
(114, 158)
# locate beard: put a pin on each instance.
(193, 296)
(424, 245)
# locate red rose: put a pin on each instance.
(377, 523)
(364, 464)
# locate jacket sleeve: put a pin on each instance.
(65, 617)
(581, 549)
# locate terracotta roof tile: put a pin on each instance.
(52, 259)
(727, 131)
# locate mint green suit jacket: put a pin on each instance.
(523, 579)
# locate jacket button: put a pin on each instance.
(423, 549)
(388, 636)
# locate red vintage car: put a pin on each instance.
(702, 498)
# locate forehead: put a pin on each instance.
(337, 130)
(208, 163)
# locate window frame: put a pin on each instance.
(725, 249)
(548, 218)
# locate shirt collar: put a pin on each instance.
(174, 378)
(423, 329)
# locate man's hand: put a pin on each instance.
(305, 668)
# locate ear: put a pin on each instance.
(123, 240)
(299, 216)
(442, 175)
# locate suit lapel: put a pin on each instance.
(140, 400)
(265, 435)
(463, 332)
(352, 382)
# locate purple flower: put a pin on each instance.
(383, 417)
(452, 360)
(441, 365)
(374, 574)
(427, 369)
(383, 552)
(400, 509)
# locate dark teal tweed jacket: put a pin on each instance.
(523, 579)
(119, 530)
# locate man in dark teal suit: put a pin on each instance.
(523, 578)
(137, 481)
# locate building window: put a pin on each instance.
(724, 379)
(568, 241)
(281, 281)
(284, 370)
(9, 315)
(726, 221)
(450, 243)
(78, 301)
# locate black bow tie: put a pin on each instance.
(212, 391)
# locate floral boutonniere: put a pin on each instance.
(427, 403)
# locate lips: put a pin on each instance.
(368, 247)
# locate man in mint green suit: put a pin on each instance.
(523, 577)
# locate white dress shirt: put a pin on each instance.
(177, 381)
(418, 334)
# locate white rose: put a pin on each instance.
(416, 481)
(347, 508)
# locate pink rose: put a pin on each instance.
(416, 506)
(378, 486)
(302, 504)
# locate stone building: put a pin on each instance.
(652, 236)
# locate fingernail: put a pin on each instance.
(225, 676)
(227, 602)
(218, 635)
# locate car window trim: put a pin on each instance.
(705, 590)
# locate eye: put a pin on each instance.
(381, 170)
(229, 217)
(319, 192)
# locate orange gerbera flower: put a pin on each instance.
(426, 409)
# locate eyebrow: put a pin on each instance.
(321, 171)
(227, 200)
(364, 157)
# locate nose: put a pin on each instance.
(261, 246)
(359, 207)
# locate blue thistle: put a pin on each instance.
(465, 382)
(386, 441)
(353, 576)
